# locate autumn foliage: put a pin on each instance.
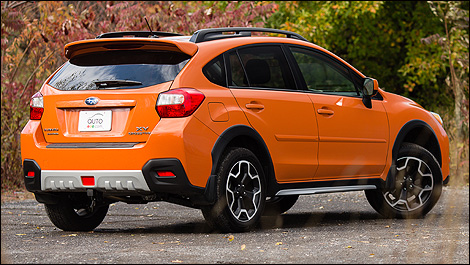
(34, 35)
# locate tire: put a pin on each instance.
(418, 185)
(278, 205)
(240, 193)
(76, 215)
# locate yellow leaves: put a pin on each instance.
(242, 247)
(20, 234)
(278, 243)
(231, 238)
(177, 261)
(348, 247)
(69, 235)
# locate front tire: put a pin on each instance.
(76, 215)
(417, 187)
(240, 193)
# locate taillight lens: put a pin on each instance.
(180, 102)
(36, 106)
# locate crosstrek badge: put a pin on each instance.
(95, 120)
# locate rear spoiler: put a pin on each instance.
(105, 44)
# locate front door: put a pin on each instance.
(353, 139)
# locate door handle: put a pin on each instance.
(254, 106)
(325, 111)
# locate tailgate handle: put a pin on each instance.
(254, 106)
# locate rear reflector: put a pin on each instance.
(165, 174)
(88, 181)
(31, 174)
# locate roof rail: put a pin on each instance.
(137, 34)
(217, 33)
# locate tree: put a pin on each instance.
(455, 55)
(34, 35)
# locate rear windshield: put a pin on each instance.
(127, 69)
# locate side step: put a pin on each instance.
(307, 191)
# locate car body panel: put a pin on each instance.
(131, 110)
(353, 139)
(288, 124)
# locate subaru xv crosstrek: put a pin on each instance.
(233, 123)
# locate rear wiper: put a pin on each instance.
(116, 83)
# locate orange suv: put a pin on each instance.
(233, 124)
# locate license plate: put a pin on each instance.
(95, 120)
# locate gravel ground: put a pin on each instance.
(325, 228)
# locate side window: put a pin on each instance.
(238, 74)
(323, 75)
(261, 66)
(215, 71)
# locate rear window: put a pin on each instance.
(127, 69)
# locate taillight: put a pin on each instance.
(180, 102)
(36, 106)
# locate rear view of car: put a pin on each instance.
(91, 124)
(236, 125)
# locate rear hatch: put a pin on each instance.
(105, 94)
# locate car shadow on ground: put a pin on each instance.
(294, 220)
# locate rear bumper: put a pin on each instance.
(123, 182)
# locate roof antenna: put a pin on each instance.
(148, 25)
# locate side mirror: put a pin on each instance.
(369, 89)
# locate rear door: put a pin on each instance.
(108, 95)
(262, 83)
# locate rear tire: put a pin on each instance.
(74, 215)
(240, 193)
(417, 187)
(278, 205)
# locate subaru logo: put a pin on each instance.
(91, 101)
